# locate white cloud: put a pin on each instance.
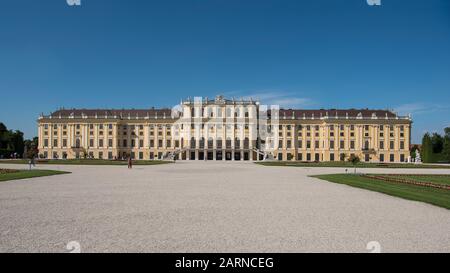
(419, 108)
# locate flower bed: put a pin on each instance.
(403, 179)
(5, 171)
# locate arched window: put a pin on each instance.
(77, 143)
(192, 143)
(219, 143)
(210, 143)
(228, 143)
(202, 143)
(246, 143)
(228, 112)
(237, 143)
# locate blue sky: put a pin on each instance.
(302, 54)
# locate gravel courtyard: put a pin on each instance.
(211, 207)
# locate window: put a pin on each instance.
(141, 155)
(402, 145)
(352, 144)
(152, 143)
(100, 143)
(308, 157)
(91, 142)
(331, 157)
(317, 157)
(300, 157)
(392, 158)
(381, 157)
(289, 144)
(168, 143)
(133, 143)
(55, 143)
(64, 143)
(391, 145)
(100, 155)
(342, 145)
(308, 144)
(110, 155)
(381, 145)
(125, 144)
(210, 143)
(110, 142)
(300, 144)
(316, 144)
(141, 143)
(402, 158)
(280, 144)
(228, 143)
(332, 144)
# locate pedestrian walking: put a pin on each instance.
(130, 163)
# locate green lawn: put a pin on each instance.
(345, 164)
(85, 162)
(438, 197)
(22, 174)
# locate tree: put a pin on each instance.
(10, 142)
(446, 146)
(438, 143)
(354, 160)
(31, 148)
(427, 148)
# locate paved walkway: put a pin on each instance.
(211, 207)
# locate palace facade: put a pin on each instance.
(224, 129)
